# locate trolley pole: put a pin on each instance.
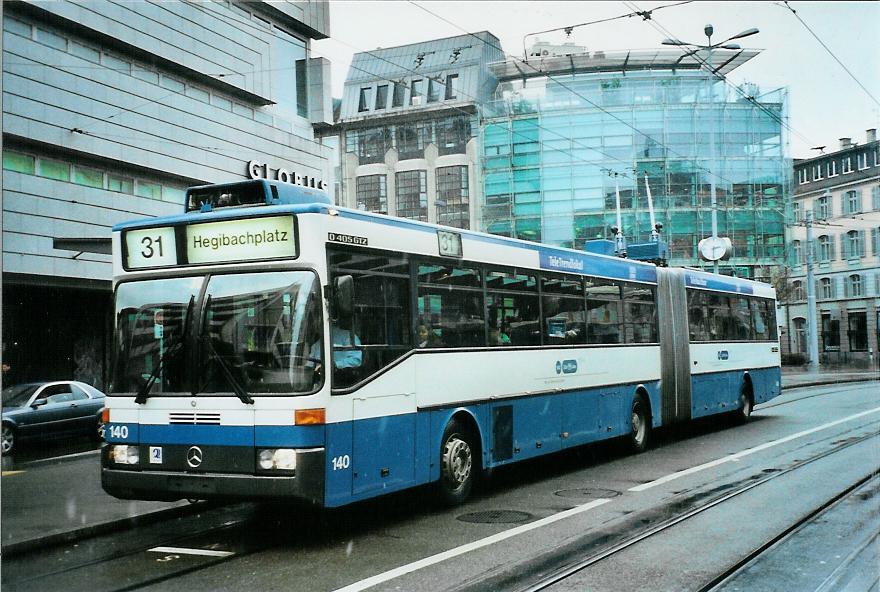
(813, 330)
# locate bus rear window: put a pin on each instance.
(224, 196)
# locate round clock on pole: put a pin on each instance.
(715, 248)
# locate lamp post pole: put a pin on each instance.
(812, 330)
(712, 189)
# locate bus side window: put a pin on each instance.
(603, 311)
(698, 320)
(450, 305)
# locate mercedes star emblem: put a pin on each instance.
(194, 457)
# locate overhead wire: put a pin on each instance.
(831, 53)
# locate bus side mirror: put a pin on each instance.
(343, 297)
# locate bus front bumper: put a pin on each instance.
(306, 485)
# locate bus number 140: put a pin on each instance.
(341, 462)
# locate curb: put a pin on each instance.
(93, 530)
(826, 381)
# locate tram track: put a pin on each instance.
(565, 572)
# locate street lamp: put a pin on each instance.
(716, 248)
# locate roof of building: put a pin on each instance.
(725, 60)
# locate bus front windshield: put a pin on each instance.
(250, 333)
(261, 332)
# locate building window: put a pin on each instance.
(453, 135)
(372, 195)
(847, 165)
(875, 198)
(364, 101)
(797, 213)
(802, 176)
(302, 88)
(825, 251)
(415, 94)
(434, 90)
(875, 245)
(412, 138)
(797, 253)
(18, 162)
(853, 243)
(453, 196)
(371, 144)
(826, 289)
(412, 195)
(451, 87)
(854, 288)
(876, 156)
(822, 208)
(830, 333)
(797, 290)
(88, 177)
(831, 168)
(852, 202)
(381, 96)
(858, 331)
(399, 94)
(53, 169)
(862, 160)
(149, 190)
(817, 172)
(120, 184)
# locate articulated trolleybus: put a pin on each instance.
(271, 345)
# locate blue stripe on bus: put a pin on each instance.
(289, 436)
(586, 264)
(220, 435)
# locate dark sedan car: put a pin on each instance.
(49, 410)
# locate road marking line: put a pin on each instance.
(8, 473)
(738, 455)
(455, 552)
(185, 551)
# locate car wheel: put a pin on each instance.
(458, 464)
(7, 443)
(640, 422)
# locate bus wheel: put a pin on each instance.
(640, 425)
(746, 403)
(457, 464)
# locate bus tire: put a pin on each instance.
(640, 425)
(746, 403)
(458, 464)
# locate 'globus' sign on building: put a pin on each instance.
(261, 170)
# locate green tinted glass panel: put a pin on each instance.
(120, 184)
(151, 190)
(54, 169)
(88, 177)
(15, 161)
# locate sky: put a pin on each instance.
(825, 102)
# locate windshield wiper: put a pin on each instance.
(143, 393)
(239, 390)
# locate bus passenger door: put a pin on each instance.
(383, 443)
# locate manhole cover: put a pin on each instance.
(587, 493)
(496, 517)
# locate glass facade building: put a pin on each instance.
(557, 142)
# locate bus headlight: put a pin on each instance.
(277, 459)
(123, 454)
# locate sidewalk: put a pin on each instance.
(55, 501)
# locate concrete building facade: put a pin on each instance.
(841, 189)
(112, 109)
(408, 127)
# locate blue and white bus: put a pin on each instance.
(271, 345)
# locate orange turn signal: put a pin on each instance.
(105, 415)
(310, 416)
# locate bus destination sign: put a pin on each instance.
(250, 239)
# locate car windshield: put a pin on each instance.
(18, 395)
(262, 333)
(149, 333)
